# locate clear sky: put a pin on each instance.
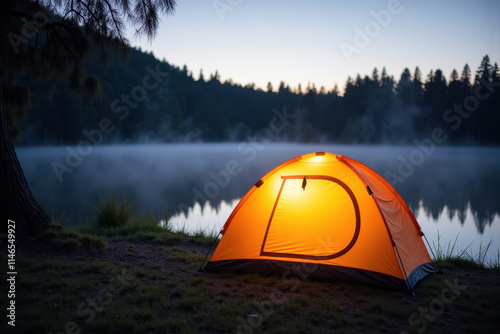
(325, 41)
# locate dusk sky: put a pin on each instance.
(320, 41)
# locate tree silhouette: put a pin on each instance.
(215, 76)
(385, 79)
(45, 40)
(484, 70)
(269, 86)
(465, 77)
(283, 88)
(417, 77)
(417, 90)
(494, 74)
(455, 96)
(404, 87)
(453, 76)
(299, 89)
(375, 76)
(335, 90)
(201, 78)
(435, 97)
(486, 118)
(212, 110)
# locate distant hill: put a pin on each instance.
(143, 103)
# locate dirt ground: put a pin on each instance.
(179, 299)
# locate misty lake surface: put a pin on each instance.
(453, 191)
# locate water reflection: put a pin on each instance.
(206, 219)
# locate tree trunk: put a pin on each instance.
(17, 202)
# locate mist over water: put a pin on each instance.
(453, 190)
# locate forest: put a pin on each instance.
(177, 107)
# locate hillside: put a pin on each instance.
(151, 100)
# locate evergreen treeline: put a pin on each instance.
(373, 109)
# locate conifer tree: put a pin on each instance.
(465, 76)
(494, 74)
(484, 70)
(403, 88)
(45, 40)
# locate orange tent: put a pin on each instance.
(328, 216)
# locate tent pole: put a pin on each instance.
(402, 266)
(213, 243)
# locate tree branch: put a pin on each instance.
(117, 24)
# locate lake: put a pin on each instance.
(453, 191)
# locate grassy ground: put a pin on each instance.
(138, 278)
(119, 274)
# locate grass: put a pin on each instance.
(157, 289)
(204, 236)
(451, 256)
(201, 236)
(146, 228)
(116, 217)
(112, 212)
(70, 239)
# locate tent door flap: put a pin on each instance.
(319, 224)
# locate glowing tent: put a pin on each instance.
(328, 216)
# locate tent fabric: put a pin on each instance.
(330, 216)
